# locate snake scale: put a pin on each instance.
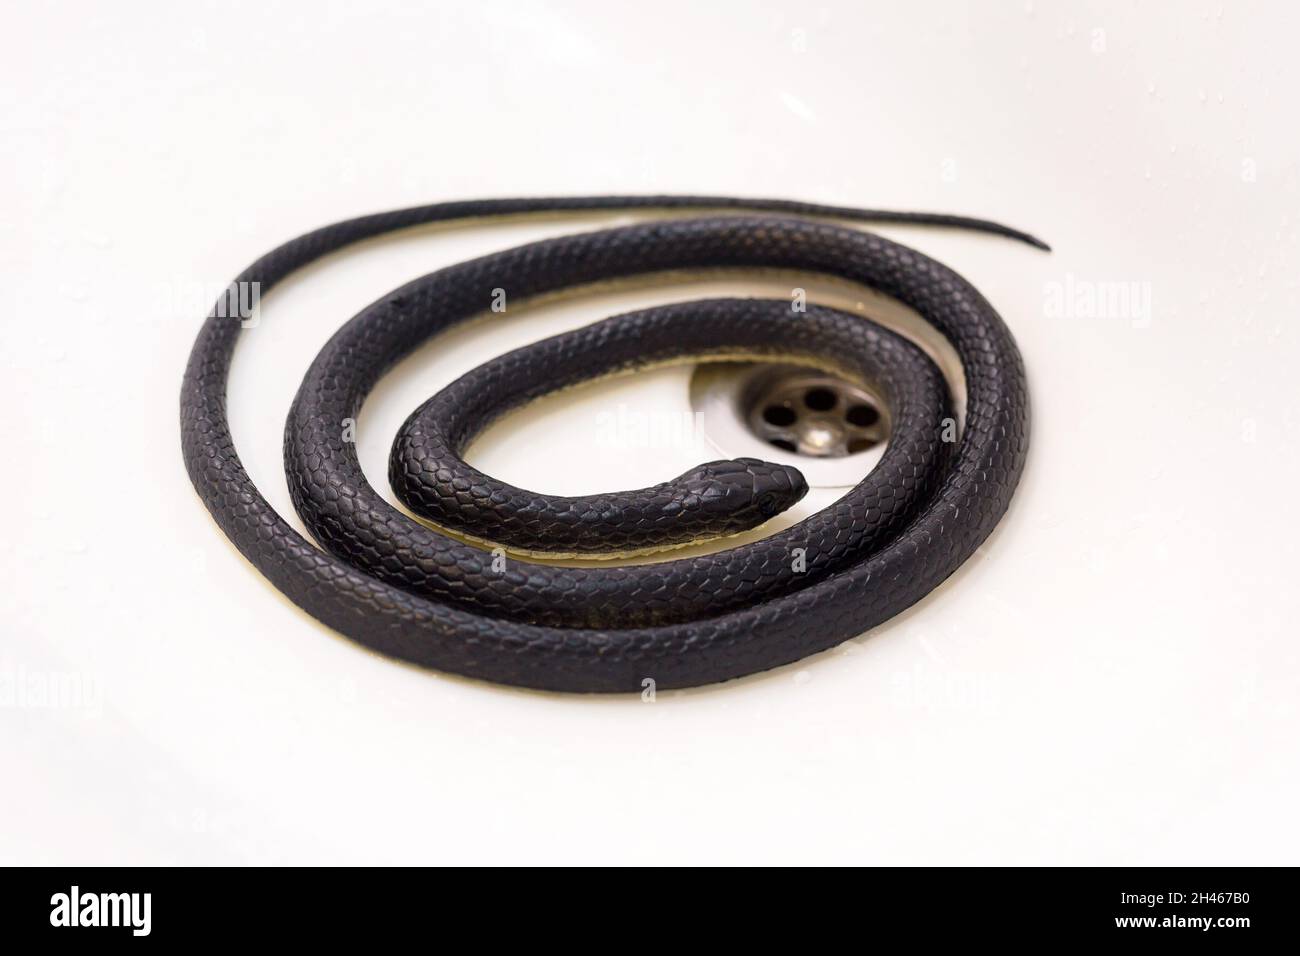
(433, 594)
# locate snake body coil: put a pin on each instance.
(421, 595)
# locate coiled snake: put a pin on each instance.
(411, 591)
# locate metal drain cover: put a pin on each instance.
(832, 430)
(813, 414)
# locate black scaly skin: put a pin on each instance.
(370, 534)
(715, 499)
(410, 592)
(711, 500)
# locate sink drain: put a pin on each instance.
(833, 430)
(813, 414)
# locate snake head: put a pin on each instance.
(743, 493)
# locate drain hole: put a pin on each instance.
(819, 399)
(779, 415)
(863, 416)
(805, 412)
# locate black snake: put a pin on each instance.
(413, 592)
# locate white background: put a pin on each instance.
(1114, 679)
